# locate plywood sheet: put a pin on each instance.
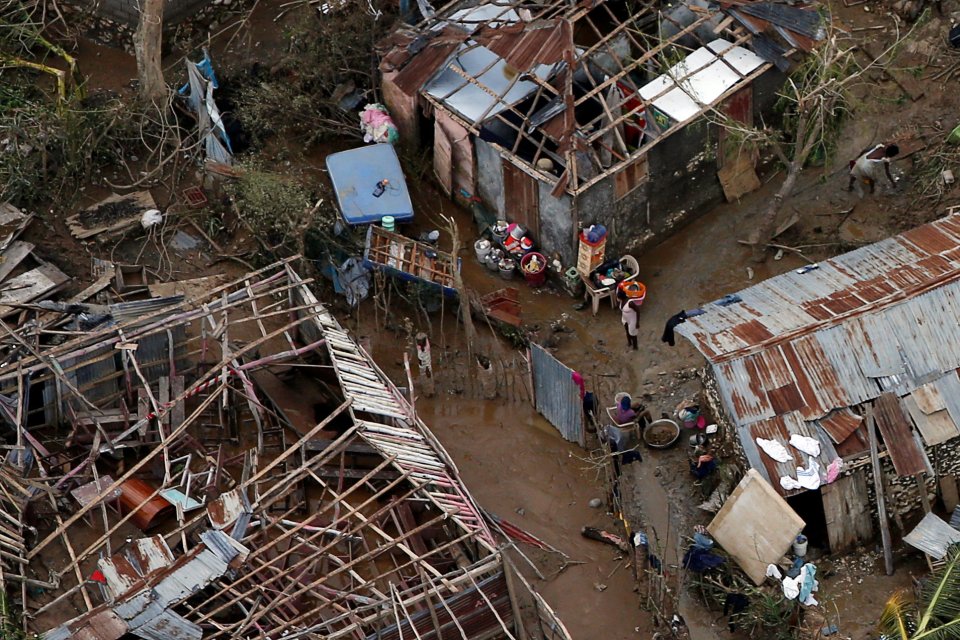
(738, 176)
(755, 525)
(524, 197)
(847, 512)
(936, 427)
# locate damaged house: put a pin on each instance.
(558, 115)
(226, 462)
(827, 351)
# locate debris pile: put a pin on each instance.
(226, 462)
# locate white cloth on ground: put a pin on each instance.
(810, 446)
(791, 587)
(773, 571)
(775, 450)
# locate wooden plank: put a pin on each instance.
(178, 412)
(31, 285)
(524, 197)
(907, 457)
(141, 199)
(12, 223)
(847, 511)
(948, 492)
(878, 490)
(443, 158)
(12, 256)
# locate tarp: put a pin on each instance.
(202, 82)
(356, 175)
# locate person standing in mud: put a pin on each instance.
(629, 317)
(871, 166)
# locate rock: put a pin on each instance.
(595, 503)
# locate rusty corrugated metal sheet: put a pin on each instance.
(816, 344)
(526, 44)
(905, 451)
(780, 429)
(862, 281)
(428, 60)
(148, 606)
(840, 424)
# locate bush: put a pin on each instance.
(295, 96)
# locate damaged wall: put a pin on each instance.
(402, 108)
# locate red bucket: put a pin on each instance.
(534, 278)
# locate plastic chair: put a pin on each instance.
(595, 295)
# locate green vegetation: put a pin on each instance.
(326, 56)
(933, 613)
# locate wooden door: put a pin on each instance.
(739, 108)
(521, 198)
(847, 511)
(442, 157)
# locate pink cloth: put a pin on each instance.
(833, 470)
(578, 380)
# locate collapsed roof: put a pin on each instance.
(231, 464)
(807, 351)
(571, 89)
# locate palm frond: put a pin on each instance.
(940, 596)
(894, 618)
(947, 631)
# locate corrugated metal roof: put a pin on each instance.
(933, 536)
(527, 44)
(780, 429)
(145, 612)
(866, 322)
(840, 424)
(905, 451)
(428, 60)
(151, 554)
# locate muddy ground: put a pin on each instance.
(515, 463)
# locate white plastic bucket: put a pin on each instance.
(482, 247)
(800, 546)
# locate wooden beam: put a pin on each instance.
(878, 489)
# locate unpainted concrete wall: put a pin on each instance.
(683, 178)
(625, 219)
(557, 220)
(489, 176)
